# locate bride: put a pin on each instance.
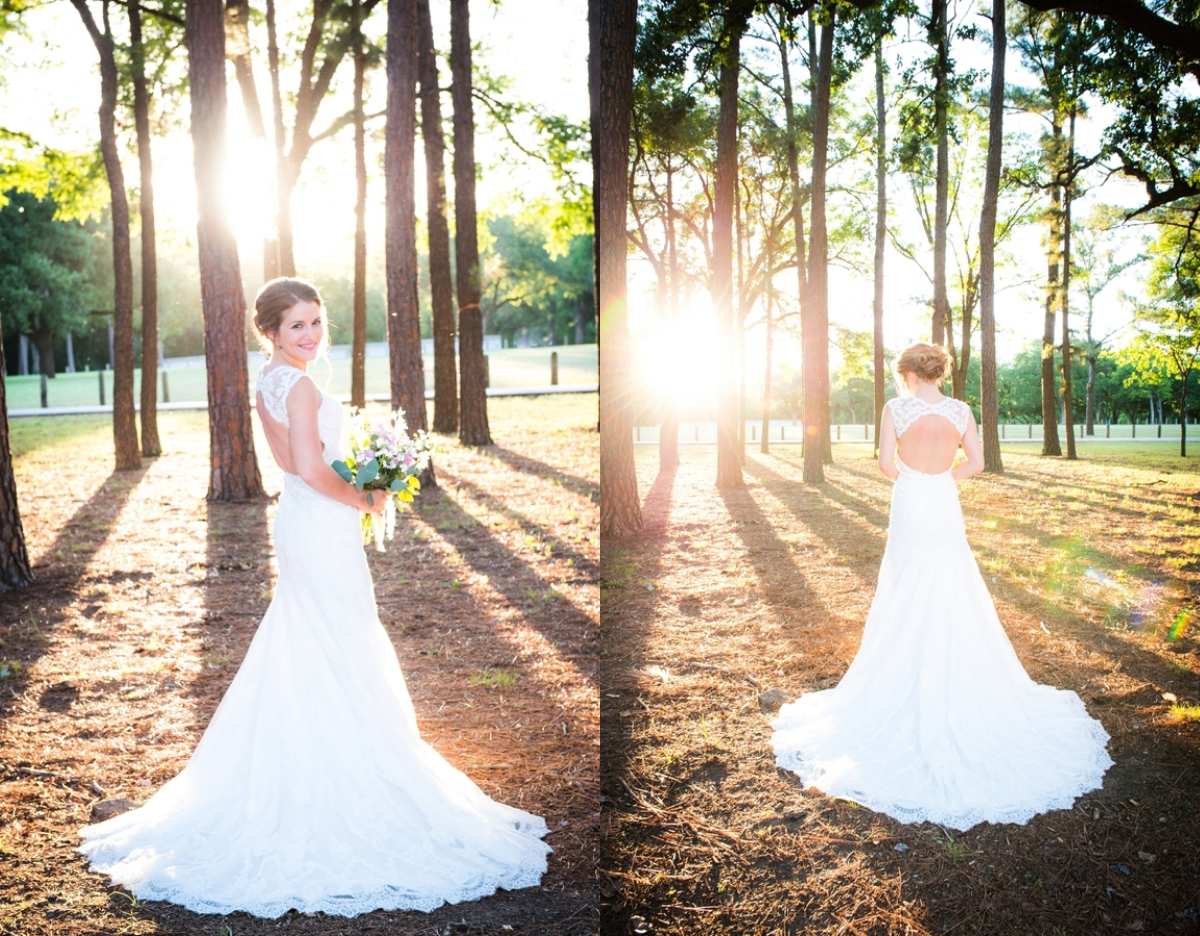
(311, 788)
(936, 719)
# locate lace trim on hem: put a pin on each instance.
(1090, 776)
(385, 898)
(389, 897)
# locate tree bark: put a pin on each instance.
(473, 415)
(816, 363)
(765, 446)
(445, 369)
(1050, 443)
(880, 231)
(403, 304)
(272, 266)
(668, 426)
(989, 399)
(125, 436)
(729, 466)
(358, 350)
(43, 340)
(1065, 293)
(151, 446)
(15, 571)
(941, 303)
(233, 466)
(612, 32)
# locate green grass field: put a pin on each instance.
(511, 367)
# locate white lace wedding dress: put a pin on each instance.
(936, 719)
(311, 787)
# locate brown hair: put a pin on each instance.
(273, 302)
(928, 361)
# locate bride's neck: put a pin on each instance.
(284, 358)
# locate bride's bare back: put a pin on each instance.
(927, 431)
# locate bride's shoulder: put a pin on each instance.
(275, 383)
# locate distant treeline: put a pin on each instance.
(55, 273)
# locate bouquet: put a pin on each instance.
(385, 461)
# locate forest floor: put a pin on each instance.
(1094, 567)
(147, 597)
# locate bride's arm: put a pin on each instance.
(887, 445)
(302, 404)
(971, 448)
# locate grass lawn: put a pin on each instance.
(510, 367)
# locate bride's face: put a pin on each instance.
(301, 332)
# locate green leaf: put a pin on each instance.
(396, 485)
(366, 474)
(343, 470)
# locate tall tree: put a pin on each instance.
(816, 348)
(271, 256)
(125, 436)
(612, 34)
(989, 398)
(1068, 403)
(939, 37)
(473, 425)
(233, 471)
(787, 35)
(15, 570)
(445, 371)
(729, 465)
(141, 113)
(403, 304)
(358, 352)
(880, 231)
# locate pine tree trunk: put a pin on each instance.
(941, 95)
(403, 303)
(668, 425)
(473, 415)
(1050, 444)
(358, 350)
(807, 334)
(43, 340)
(729, 466)
(125, 438)
(151, 446)
(765, 445)
(880, 231)
(989, 399)
(445, 370)
(612, 32)
(1090, 415)
(271, 260)
(816, 363)
(233, 466)
(15, 570)
(1065, 295)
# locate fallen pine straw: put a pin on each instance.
(147, 598)
(731, 594)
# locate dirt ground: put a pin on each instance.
(1095, 570)
(147, 597)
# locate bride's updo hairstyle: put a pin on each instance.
(928, 361)
(273, 301)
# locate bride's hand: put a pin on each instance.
(372, 501)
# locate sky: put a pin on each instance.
(50, 89)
